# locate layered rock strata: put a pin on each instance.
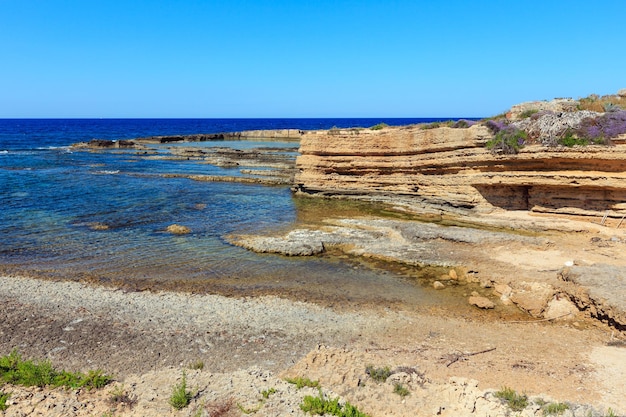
(450, 170)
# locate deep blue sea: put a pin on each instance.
(51, 196)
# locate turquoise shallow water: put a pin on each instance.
(53, 201)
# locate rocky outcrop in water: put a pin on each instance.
(271, 134)
(97, 144)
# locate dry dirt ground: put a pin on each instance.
(450, 363)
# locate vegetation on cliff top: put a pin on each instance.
(598, 103)
(596, 121)
(507, 138)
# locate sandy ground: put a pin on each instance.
(450, 363)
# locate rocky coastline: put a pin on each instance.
(538, 230)
(554, 191)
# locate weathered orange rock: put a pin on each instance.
(450, 170)
(481, 302)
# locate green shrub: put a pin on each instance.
(515, 401)
(611, 107)
(570, 139)
(301, 382)
(4, 397)
(15, 370)
(378, 374)
(555, 408)
(527, 113)
(180, 397)
(95, 379)
(400, 390)
(507, 141)
(322, 406)
(379, 126)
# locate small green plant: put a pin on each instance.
(515, 401)
(15, 370)
(610, 413)
(197, 365)
(266, 393)
(611, 107)
(181, 397)
(378, 374)
(94, 379)
(555, 408)
(4, 397)
(507, 141)
(527, 113)
(321, 406)
(401, 390)
(379, 126)
(570, 139)
(301, 382)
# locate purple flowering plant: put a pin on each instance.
(601, 129)
(507, 140)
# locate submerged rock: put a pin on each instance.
(178, 229)
(481, 302)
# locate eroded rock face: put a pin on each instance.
(598, 290)
(450, 170)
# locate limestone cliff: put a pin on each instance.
(450, 170)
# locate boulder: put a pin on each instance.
(504, 292)
(502, 289)
(481, 302)
(622, 92)
(438, 285)
(532, 297)
(560, 307)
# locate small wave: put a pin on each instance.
(53, 148)
(107, 172)
(4, 152)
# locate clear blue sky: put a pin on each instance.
(317, 58)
